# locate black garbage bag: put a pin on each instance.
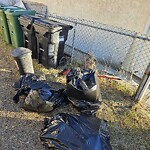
(23, 87)
(83, 90)
(44, 100)
(39, 96)
(85, 106)
(75, 132)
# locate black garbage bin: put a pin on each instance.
(51, 38)
(29, 37)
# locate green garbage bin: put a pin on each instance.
(3, 22)
(15, 30)
(4, 8)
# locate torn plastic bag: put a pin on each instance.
(75, 132)
(23, 87)
(43, 89)
(83, 90)
(39, 96)
(44, 100)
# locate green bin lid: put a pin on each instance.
(9, 7)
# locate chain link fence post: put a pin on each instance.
(73, 42)
(143, 85)
(129, 59)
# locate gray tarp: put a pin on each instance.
(18, 3)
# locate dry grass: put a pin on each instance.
(128, 122)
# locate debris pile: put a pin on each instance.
(67, 131)
(38, 94)
(82, 91)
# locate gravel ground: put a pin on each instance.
(19, 129)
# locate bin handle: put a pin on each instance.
(36, 32)
(41, 49)
(27, 41)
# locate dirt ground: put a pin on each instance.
(128, 122)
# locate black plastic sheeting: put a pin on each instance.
(83, 90)
(39, 96)
(23, 87)
(75, 132)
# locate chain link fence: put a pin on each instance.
(117, 51)
(114, 48)
(40, 8)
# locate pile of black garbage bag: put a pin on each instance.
(39, 96)
(66, 131)
(82, 91)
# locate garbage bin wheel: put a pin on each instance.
(62, 61)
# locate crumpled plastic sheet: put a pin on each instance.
(23, 87)
(39, 96)
(83, 90)
(75, 132)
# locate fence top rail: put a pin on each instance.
(101, 26)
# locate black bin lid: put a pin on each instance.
(45, 23)
(69, 27)
(52, 24)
